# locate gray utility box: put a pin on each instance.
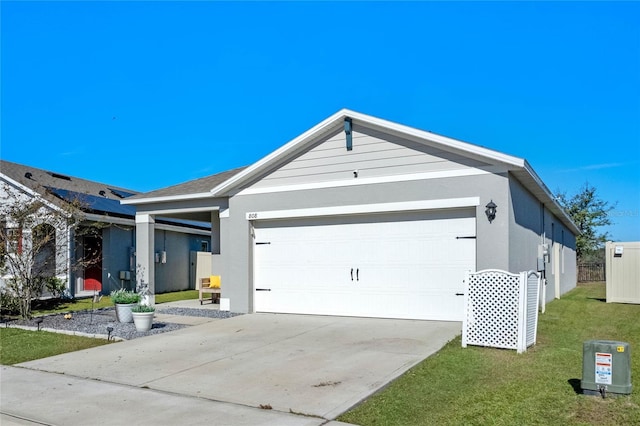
(606, 367)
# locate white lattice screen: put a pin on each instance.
(501, 309)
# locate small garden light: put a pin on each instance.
(39, 321)
(109, 330)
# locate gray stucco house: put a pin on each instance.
(360, 216)
(113, 243)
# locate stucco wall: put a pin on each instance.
(174, 274)
(235, 259)
(532, 224)
(116, 244)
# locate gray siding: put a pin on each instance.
(374, 154)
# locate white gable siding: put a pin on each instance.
(374, 155)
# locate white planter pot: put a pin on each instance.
(143, 320)
(123, 312)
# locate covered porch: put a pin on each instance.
(147, 254)
(190, 201)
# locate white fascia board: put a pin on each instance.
(283, 151)
(167, 198)
(31, 192)
(465, 147)
(447, 203)
(368, 121)
(181, 210)
(373, 180)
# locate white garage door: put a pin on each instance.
(396, 265)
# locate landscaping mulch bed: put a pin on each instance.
(95, 323)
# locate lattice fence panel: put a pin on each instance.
(493, 309)
(501, 309)
(533, 293)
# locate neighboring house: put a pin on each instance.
(112, 244)
(360, 216)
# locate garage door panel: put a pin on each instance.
(407, 265)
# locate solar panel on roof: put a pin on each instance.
(94, 202)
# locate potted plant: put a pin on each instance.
(124, 301)
(143, 317)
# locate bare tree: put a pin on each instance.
(35, 240)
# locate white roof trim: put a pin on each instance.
(167, 198)
(555, 207)
(232, 186)
(181, 210)
(335, 121)
(324, 126)
(31, 192)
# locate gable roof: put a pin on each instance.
(336, 122)
(227, 183)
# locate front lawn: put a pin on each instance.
(478, 386)
(176, 296)
(54, 306)
(18, 345)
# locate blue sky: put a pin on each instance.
(150, 94)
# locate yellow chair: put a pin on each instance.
(211, 286)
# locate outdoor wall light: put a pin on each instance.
(491, 211)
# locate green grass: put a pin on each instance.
(51, 306)
(18, 345)
(177, 295)
(45, 307)
(479, 386)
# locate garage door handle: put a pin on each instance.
(459, 294)
(263, 289)
(351, 274)
(358, 274)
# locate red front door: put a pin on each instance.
(93, 271)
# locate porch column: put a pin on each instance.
(145, 246)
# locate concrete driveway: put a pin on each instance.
(307, 365)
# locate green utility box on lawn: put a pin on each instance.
(606, 367)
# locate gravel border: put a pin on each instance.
(94, 323)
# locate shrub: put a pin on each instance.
(55, 286)
(124, 296)
(143, 308)
(9, 302)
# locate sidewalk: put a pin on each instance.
(32, 397)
